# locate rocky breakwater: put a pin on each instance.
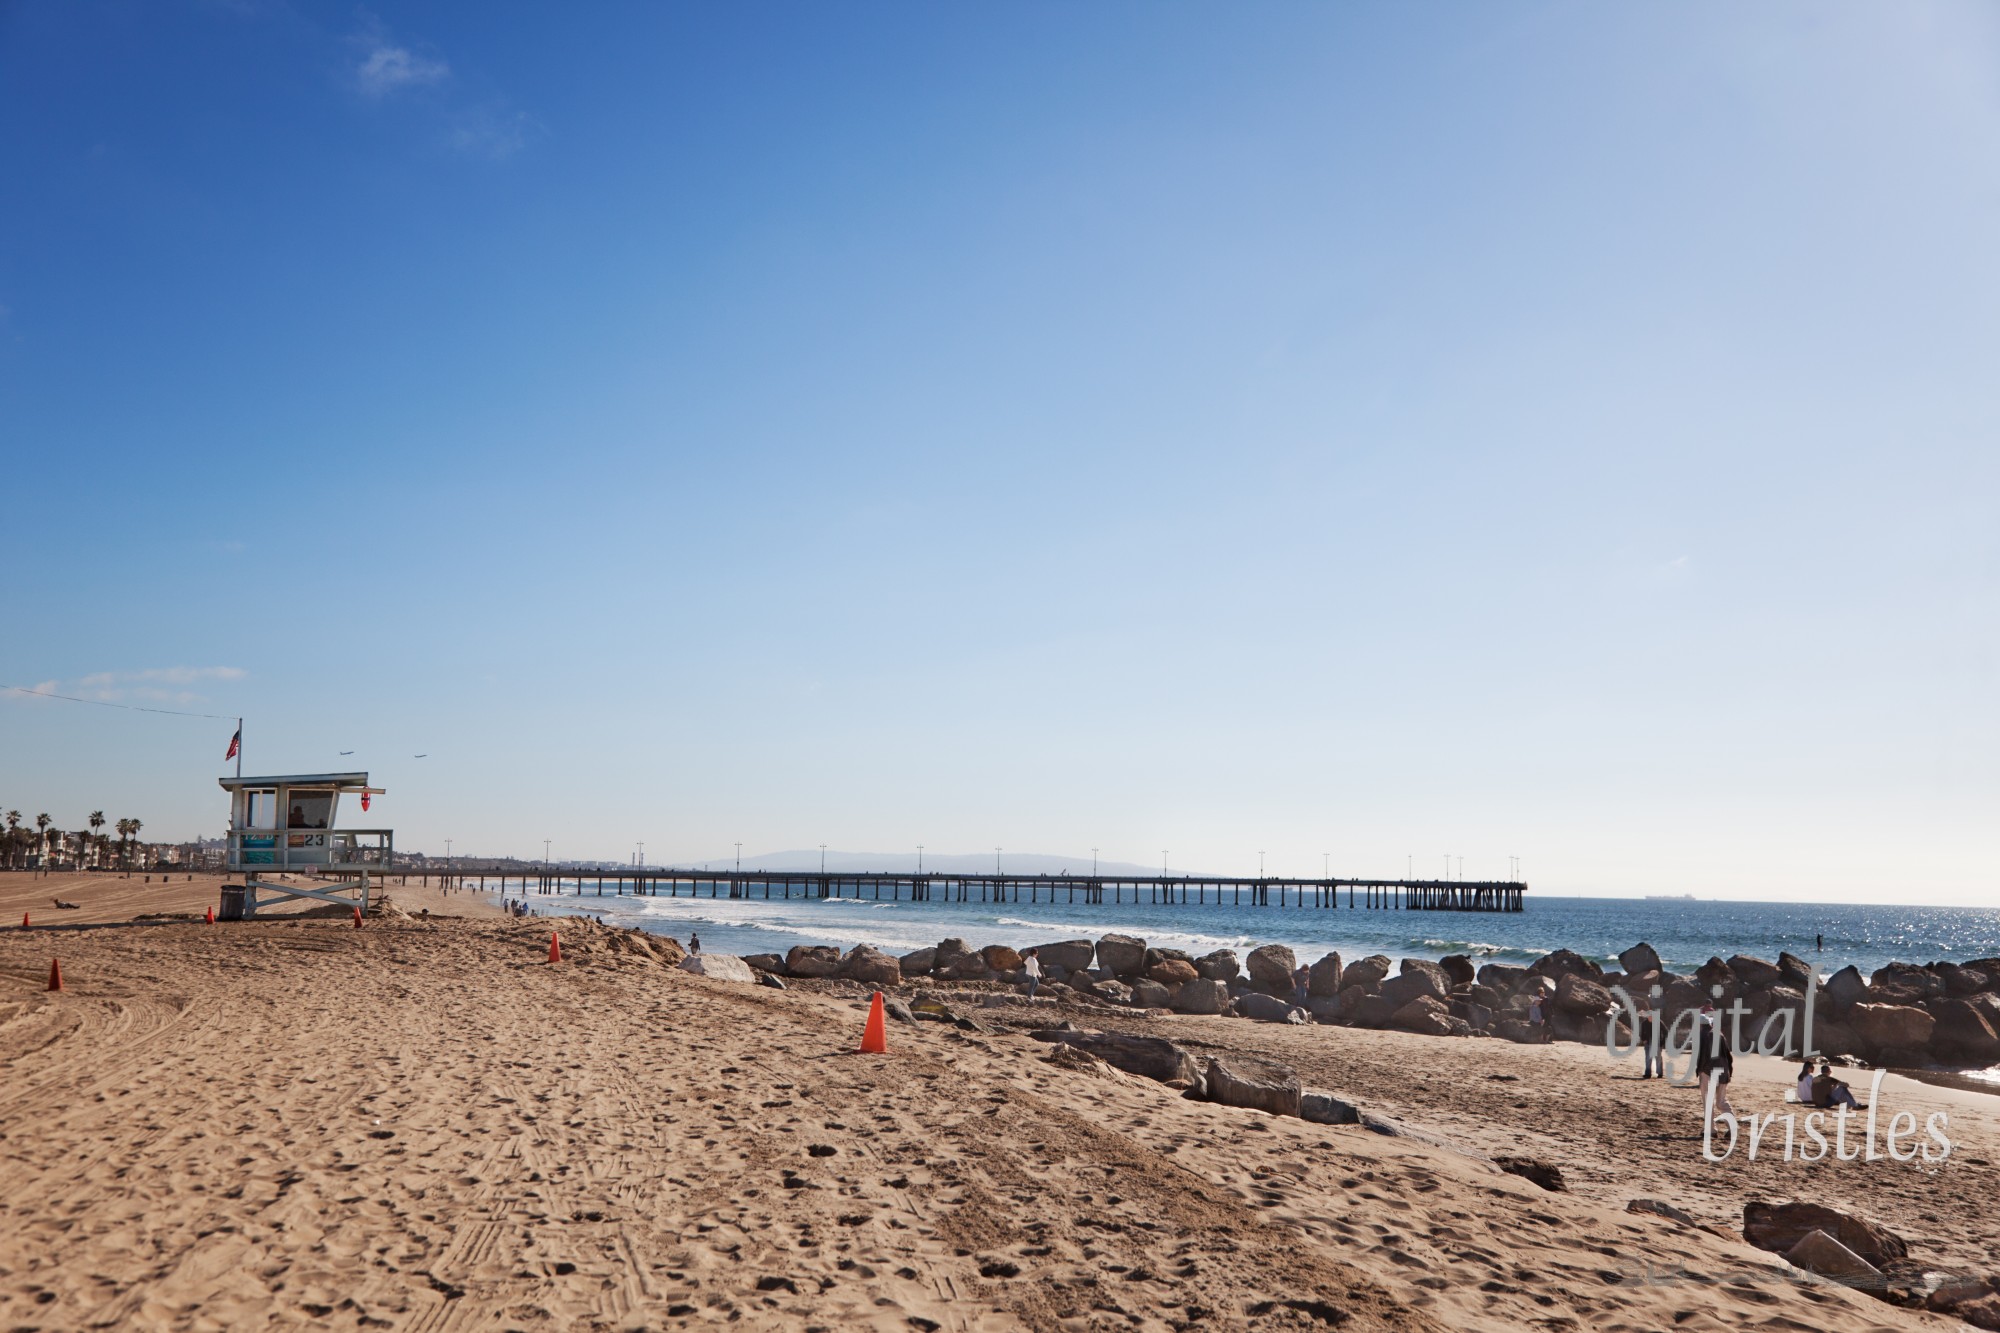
(1906, 1015)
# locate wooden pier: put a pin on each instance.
(1417, 895)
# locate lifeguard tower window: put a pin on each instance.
(310, 809)
(260, 809)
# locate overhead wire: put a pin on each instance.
(106, 703)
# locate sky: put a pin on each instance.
(1356, 434)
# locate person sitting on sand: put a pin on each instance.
(67, 907)
(1031, 969)
(1830, 1092)
(1805, 1092)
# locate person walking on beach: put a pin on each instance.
(694, 943)
(1031, 968)
(1655, 1061)
(1714, 1062)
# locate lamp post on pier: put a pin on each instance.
(822, 858)
(1093, 863)
(920, 858)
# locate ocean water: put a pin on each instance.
(1686, 934)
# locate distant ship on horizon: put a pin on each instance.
(1671, 898)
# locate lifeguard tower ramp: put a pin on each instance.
(284, 826)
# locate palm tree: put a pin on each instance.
(132, 827)
(14, 837)
(42, 823)
(124, 827)
(96, 823)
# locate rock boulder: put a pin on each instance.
(1458, 970)
(919, 963)
(1069, 955)
(1235, 1080)
(1413, 983)
(1797, 972)
(812, 960)
(1267, 1008)
(1563, 962)
(1426, 1015)
(1641, 957)
(1324, 1008)
(964, 967)
(1001, 958)
(1579, 995)
(1886, 1027)
(1963, 1034)
(1369, 1011)
(1754, 973)
(1117, 992)
(1842, 989)
(1218, 966)
(1172, 972)
(1822, 1254)
(1148, 1057)
(1271, 967)
(1201, 996)
(1326, 977)
(720, 966)
(1779, 1227)
(1546, 1174)
(1122, 955)
(866, 963)
(1366, 973)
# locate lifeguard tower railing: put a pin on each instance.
(309, 851)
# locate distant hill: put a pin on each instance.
(974, 863)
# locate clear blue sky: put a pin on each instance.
(1564, 431)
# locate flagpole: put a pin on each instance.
(239, 747)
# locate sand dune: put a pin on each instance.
(424, 1125)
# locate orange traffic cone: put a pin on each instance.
(209, 916)
(24, 921)
(55, 974)
(875, 1037)
(555, 948)
(357, 918)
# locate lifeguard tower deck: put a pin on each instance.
(284, 826)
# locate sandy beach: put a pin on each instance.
(423, 1124)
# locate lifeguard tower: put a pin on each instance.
(284, 826)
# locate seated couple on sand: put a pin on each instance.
(1822, 1089)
